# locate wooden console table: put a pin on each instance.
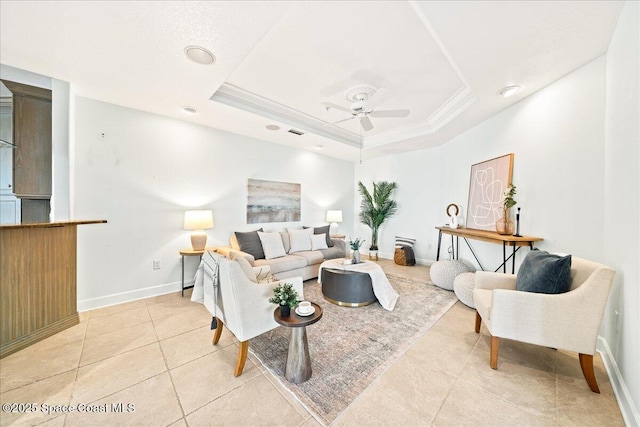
(486, 236)
(37, 282)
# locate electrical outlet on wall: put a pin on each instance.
(157, 264)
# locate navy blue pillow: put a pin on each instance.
(544, 273)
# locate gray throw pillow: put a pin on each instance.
(544, 273)
(323, 230)
(250, 243)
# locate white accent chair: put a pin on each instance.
(568, 321)
(242, 305)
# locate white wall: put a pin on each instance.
(557, 137)
(60, 143)
(622, 201)
(141, 171)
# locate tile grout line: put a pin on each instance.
(166, 365)
(75, 379)
(457, 377)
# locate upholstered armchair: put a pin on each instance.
(568, 321)
(241, 301)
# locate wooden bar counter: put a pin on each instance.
(37, 282)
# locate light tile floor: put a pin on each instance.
(156, 355)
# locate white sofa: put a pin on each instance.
(300, 263)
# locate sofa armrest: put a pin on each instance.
(341, 244)
(491, 280)
(231, 253)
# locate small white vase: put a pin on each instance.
(356, 256)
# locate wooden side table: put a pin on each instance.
(298, 368)
(487, 236)
(191, 252)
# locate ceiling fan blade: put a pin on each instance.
(391, 113)
(337, 107)
(340, 121)
(366, 123)
(377, 98)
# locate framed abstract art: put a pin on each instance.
(489, 180)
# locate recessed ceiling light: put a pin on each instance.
(272, 127)
(509, 90)
(319, 147)
(189, 110)
(200, 55)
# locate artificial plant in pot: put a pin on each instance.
(285, 296)
(376, 207)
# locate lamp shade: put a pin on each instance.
(198, 220)
(334, 216)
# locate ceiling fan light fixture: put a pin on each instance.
(508, 91)
(199, 55)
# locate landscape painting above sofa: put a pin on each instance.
(272, 201)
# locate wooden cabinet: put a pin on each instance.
(32, 159)
(37, 282)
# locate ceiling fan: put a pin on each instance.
(364, 100)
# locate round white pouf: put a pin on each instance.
(443, 273)
(463, 287)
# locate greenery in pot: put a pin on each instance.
(355, 244)
(284, 294)
(377, 207)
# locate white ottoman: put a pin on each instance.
(443, 273)
(463, 287)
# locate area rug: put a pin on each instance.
(351, 347)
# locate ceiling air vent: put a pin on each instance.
(296, 132)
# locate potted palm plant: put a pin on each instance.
(376, 208)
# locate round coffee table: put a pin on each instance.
(298, 368)
(347, 288)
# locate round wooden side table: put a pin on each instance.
(298, 368)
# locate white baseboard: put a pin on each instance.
(122, 297)
(627, 406)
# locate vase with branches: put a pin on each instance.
(355, 247)
(504, 224)
(376, 207)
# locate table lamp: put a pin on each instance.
(198, 221)
(334, 217)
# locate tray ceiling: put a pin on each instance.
(277, 62)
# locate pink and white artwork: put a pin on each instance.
(489, 180)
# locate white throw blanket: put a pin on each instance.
(197, 294)
(387, 296)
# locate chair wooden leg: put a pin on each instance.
(495, 347)
(218, 332)
(242, 357)
(586, 363)
(478, 322)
